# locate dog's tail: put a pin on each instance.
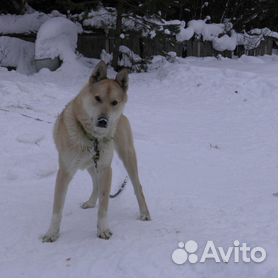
(121, 188)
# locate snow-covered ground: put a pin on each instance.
(205, 133)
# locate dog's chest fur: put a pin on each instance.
(97, 153)
(82, 150)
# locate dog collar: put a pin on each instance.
(95, 142)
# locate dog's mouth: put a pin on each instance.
(99, 131)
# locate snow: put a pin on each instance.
(101, 17)
(249, 41)
(57, 37)
(185, 34)
(17, 53)
(171, 56)
(105, 18)
(172, 22)
(208, 31)
(221, 41)
(106, 57)
(152, 34)
(265, 32)
(225, 42)
(128, 58)
(212, 30)
(205, 133)
(26, 23)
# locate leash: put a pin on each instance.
(120, 189)
(96, 155)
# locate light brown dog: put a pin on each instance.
(85, 134)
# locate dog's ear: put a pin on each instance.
(99, 73)
(122, 78)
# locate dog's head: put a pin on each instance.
(106, 98)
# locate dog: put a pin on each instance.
(86, 133)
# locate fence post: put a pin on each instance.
(198, 48)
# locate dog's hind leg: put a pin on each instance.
(125, 149)
(62, 181)
(91, 203)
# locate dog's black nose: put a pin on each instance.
(102, 122)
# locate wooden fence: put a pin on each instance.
(91, 45)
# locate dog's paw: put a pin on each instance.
(87, 205)
(104, 234)
(50, 237)
(145, 216)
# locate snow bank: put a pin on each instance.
(27, 23)
(57, 37)
(17, 53)
(225, 42)
(211, 132)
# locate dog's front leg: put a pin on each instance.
(91, 203)
(104, 177)
(62, 181)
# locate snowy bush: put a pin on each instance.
(222, 36)
(129, 59)
(225, 42)
(57, 37)
(208, 31)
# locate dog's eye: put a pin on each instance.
(97, 98)
(114, 103)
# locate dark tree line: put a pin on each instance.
(244, 14)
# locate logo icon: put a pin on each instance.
(185, 251)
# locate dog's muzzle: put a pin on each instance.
(102, 122)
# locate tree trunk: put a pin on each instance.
(224, 12)
(118, 31)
